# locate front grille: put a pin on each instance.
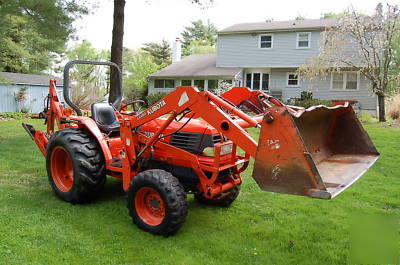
(187, 141)
(194, 142)
(216, 138)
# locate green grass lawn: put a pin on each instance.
(260, 227)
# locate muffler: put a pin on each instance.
(316, 152)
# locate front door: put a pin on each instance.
(257, 81)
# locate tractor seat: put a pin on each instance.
(104, 115)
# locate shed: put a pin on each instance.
(37, 88)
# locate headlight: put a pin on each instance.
(225, 149)
(209, 151)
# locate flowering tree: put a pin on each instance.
(363, 43)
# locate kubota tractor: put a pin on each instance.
(188, 143)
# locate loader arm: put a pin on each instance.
(208, 107)
(255, 100)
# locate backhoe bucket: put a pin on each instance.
(317, 152)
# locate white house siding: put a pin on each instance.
(242, 50)
(34, 101)
(177, 82)
(321, 89)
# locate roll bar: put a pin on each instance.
(66, 89)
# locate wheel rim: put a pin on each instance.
(150, 206)
(62, 170)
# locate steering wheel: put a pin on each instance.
(133, 103)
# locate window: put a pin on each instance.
(351, 81)
(344, 81)
(186, 82)
(303, 40)
(337, 80)
(248, 80)
(266, 41)
(257, 81)
(292, 80)
(212, 84)
(169, 83)
(164, 83)
(265, 82)
(199, 84)
(158, 83)
(230, 82)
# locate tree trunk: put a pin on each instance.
(381, 105)
(117, 44)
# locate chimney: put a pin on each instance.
(176, 51)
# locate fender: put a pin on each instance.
(88, 123)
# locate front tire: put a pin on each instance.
(157, 202)
(75, 166)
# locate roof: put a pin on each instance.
(29, 79)
(289, 25)
(196, 65)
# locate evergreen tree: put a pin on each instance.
(31, 32)
(199, 33)
(161, 52)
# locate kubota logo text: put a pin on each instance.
(156, 107)
(152, 109)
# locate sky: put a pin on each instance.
(154, 20)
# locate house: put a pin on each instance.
(36, 87)
(266, 56)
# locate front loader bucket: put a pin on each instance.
(317, 152)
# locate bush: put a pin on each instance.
(365, 117)
(313, 102)
(393, 107)
(155, 97)
(13, 115)
(306, 100)
(306, 95)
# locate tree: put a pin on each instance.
(333, 15)
(198, 33)
(117, 45)
(199, 47)
(33, 31)
(161, 52)
(338, 15)
(136, 81)
(300, 17)
(363, 43)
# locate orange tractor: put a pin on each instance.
(188, 143)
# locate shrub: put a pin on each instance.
(365, 117)
(305, 95)
(313, 102)
(155, 97)
(13, 115)
(22, 94)
(306, 100)
(393, 107)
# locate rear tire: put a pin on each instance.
(75, 166)
(224, 201)
(157, 202)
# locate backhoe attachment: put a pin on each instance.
(316, 152)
